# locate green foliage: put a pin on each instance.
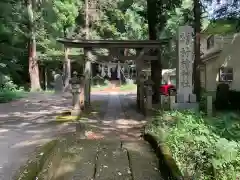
(222, 26)
(8, 90)
(7, 95)
(202, 148)
(118, 19)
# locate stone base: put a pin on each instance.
(76, 112)
(186, 106)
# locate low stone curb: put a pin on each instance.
(45, 161)
(52, 163)
(34, 165)
(167, 165)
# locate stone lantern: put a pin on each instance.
(77, 93)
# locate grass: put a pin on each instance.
(7, 95)
(203, 148)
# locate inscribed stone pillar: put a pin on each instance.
(87, 73)
(185, 61)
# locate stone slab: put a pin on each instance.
(192, 98)
(78, 161)
(143, 161)
(186, 106)
(180, 98)
(112, 164)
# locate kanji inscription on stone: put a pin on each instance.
(185, 61)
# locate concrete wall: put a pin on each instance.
(229, 57)
(219, 42)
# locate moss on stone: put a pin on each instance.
(34, 165)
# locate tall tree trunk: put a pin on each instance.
(197, 59)
(32, 55)
(156, 73)
(67, 69)
(66, 64)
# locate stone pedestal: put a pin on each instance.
(76, 110)
(77, 95)
(141, 90)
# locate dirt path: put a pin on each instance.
(116, 153)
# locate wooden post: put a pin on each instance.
(87, 73)
(139, 66)
(141, 91)
(149, 100)
(149, 92)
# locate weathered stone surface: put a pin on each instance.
(180, 98)
(172, 101)
(113, 163)
(185, 60)
(192, 98)
(185, 106)
(58, 83)
(78, 161)
(143, 162)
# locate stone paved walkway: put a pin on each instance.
(114, 149)
(117, 153)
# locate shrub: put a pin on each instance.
(222, 97)
(8, 90)
(200, 151)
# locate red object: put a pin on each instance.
(165, 89)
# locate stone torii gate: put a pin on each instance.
(114, 47)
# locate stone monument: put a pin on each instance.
(185, 62)
(58, 83)
(185, 99)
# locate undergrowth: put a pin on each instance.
(9, 91)
(203, 148)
